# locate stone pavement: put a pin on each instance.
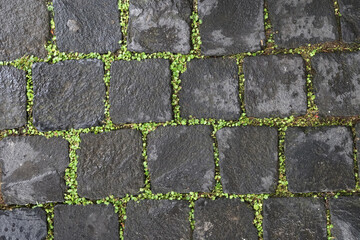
(181, 119)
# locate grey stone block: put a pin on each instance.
(350, 20)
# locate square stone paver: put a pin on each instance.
(224, 219)
(210, 89)
(336, 83)
(350, 20)
(110, 163)
(275, 86)
(159, 26)
(33, 169)
(230, 27)
(68, 94)
(140, 91)
(298, 23)
(319, 159)
(294, 218)
(248, 159)
(181, 159)
(157, 219)
(12, 97)
(87, 25)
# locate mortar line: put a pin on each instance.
(241, 75)
(310, 91)
(338, 21)
(123, 6)
(195, 30)
(147, 182)
(328, 218)
(356, 166)
(268, 28)
(282, 188)
(218, 188)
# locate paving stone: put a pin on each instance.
(224, 219)
(68, 94)
(319, 159)
(140, 91)
(87, 25)
(23, 223)
(12, 97)
(33, 169)
(110, 163)
(230, 27)
(248, 159)
(181, 159)
(337, 89)
(157, 219)
(297, 23)
(350, 20)
(91, 222)
(344, 213)
(210, 89)
(294, 218)
(25, 28)
(159, 26)
(275, 86)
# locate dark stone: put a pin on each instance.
(230, 27)
(140, 91)
(210, 89)
(350, 20)
(12, 97)
(159, 26)
(357, 142)
(224, 219)
(68, 94)
(25, 28)
(181, 159)
(294, 218)
(157, 219)
(319, 159)
(297, 23)
(23, 224)
(275, 86)
(110, 163)
(248, 159)
(91, 222)
(87, 25)
(336, 83)
(33, 169)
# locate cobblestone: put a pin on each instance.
(350, 20)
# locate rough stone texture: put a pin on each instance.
(223, 219)
(181, 159)
(12, 97)
(275, 86)
(210, 89)
(345, 213)
(33, 169)
(350, 20)
(87, 25)
(140, 91)
(110, 164)
(248, 159)
(230, 27)
(23, 224)
(24, 30)
(157, 219)
(91, 222)
(357, 142)
(159, 26)
(294, 218)
(68, 94)
(336, 83)
(319, 159)
(297, 23)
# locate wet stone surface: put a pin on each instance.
(159, 26)
(223, 219)
(210, 89)
(248, 159)
(157, 219)
(12, 97)
(140, 91)
(68, 94)
(230, 27)
(350, 20)
(87, 25)
(110, 164)
(275, 86)
(181, 159)
(319, 159)
(33, 169)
